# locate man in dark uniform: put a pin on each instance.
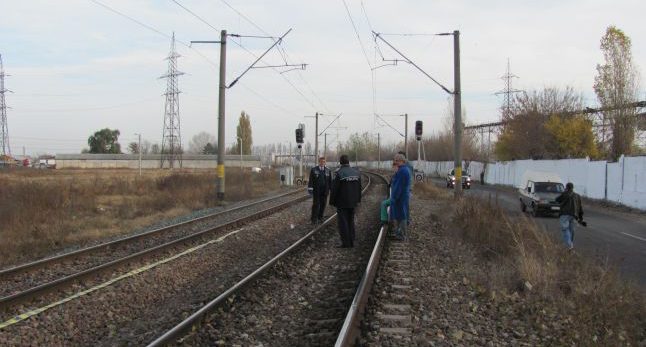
(345, 195)
(319, 186)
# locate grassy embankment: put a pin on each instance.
(515, 258)
(42, 211)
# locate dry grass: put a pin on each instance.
(523, 258)
(43, 210)
(427, 190)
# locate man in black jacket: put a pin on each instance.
(319, 186)
(570, 212)
(345, 195)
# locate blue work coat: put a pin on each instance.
(400, 194)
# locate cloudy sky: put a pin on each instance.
(77, 66)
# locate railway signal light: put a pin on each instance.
(299, 136)
(418, 129)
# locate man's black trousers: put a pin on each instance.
(345, 218)
(318, 206)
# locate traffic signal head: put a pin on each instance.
(418, 129)
(299, 135)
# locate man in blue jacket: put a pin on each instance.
(399, 196)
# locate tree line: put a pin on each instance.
(106, 141)
(549, 124)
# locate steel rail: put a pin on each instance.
(78, 252)
(22, 296)
(180, 329)
(350, 330)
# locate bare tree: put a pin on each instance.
(616, 84)
(199, 142)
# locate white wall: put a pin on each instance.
(621, 182)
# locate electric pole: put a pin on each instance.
(457, 99)
(221, 108)
(457, 126)
(5, 150)
(325, 145)
(316, 141)
(378, 151)
(221, 98)
(139, 150)
(406, 135)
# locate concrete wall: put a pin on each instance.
(150, 161)
(622, 182)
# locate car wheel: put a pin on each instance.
(534, 211)
(523, 208)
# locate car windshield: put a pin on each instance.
(549, 187)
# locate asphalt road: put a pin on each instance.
(612, 235)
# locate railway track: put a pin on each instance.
(137, 307)
(21, 283)
(311, 294)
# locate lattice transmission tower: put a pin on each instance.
(5, 150)
(171, 149)
(507, 93)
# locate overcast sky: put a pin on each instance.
(77, 67)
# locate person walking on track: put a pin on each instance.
(345, 195)
(319, 185)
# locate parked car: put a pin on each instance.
(466, 180)
(539, 197)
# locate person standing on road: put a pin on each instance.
(318, 186)
(399, 196)
(345, 195)
(570, 212)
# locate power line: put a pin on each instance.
(373, 71)
(88, 108)
(356, 31)
(405, 34)
(154, 30)
(195, 15)
(281, 50)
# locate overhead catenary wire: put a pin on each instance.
(356, 31)
(241, 46)
(247, 50)
(406, 59)
(390, 126)
(284, 55)
(194, 14)
(155, 30)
